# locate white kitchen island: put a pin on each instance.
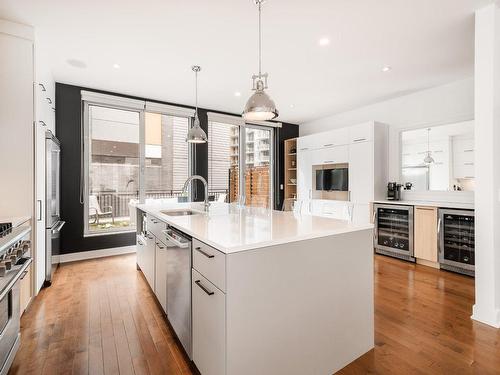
(274, 292)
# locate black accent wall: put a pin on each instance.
(68, 131)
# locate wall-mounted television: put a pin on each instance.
(333, 179)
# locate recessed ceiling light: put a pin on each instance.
(292, 106)
(324, 41)
(386, 69)
(237, 93)
(76, 63)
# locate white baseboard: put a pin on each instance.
(486, 316)
(92, 254)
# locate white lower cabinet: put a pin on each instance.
(161, 274)
(209, 326)
(141, 251)
(149, 261)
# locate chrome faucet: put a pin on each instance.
(206, 203)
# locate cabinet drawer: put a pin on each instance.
(209, 326)
(155, 226)
(210, 262)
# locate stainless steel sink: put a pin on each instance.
(179, 212)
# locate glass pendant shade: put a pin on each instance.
(260, 107)
(428, 159)
(196, 134)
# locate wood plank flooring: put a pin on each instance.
(99, 317)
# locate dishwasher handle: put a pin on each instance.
(175, 241)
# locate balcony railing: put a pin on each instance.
(119, 201)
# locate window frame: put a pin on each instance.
(242, 126)
(85, 152)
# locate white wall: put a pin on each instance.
(487, 154)
(453, 102)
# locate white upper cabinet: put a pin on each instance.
(463, 157)
(304, 174)
(361, 172)
(308, 142)
(330, 155)
(337, 137)
(361, 133)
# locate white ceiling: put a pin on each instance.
(426, 42)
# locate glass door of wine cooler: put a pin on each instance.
(456, 240)
(394, 230)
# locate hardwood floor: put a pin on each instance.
(99, 317)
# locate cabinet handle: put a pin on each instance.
(49, 100)
(359, 139)
(328, 161)
(471, 150)
(39, 201)
(24, 274)
(42, 123)
(140, 243)
(468, 163)
(160, 246)
(328, 145)
(150, 236)
(42, 86)
(209, 292)
(439, 235)
(304, 148)
(198, 249)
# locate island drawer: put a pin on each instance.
(210, 262)
(156, 226)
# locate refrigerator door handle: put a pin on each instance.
(59, 226)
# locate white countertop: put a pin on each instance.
(458, 205)
(231, 229)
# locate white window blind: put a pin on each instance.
(237, 120)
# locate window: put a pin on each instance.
(113, 167)
(132, 151)
(258, 168)
(223, 161)
(235, 147)
(167, 155)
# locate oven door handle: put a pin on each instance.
(10, 285)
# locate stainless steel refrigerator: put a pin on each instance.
(53, 221)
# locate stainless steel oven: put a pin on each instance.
(457, 241)
(393, 233)
(9, 326)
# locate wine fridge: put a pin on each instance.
(394, 231)
(456, 240)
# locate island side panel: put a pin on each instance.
(300, 308)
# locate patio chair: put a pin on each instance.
(96, 212)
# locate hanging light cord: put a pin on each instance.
(260, 39)
(196, 93)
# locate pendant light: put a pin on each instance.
(196, 134)
(260, 106)
(428, 158)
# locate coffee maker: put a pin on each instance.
(394, 191)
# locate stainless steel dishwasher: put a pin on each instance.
(179, 285)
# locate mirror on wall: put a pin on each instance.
(438, 158)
